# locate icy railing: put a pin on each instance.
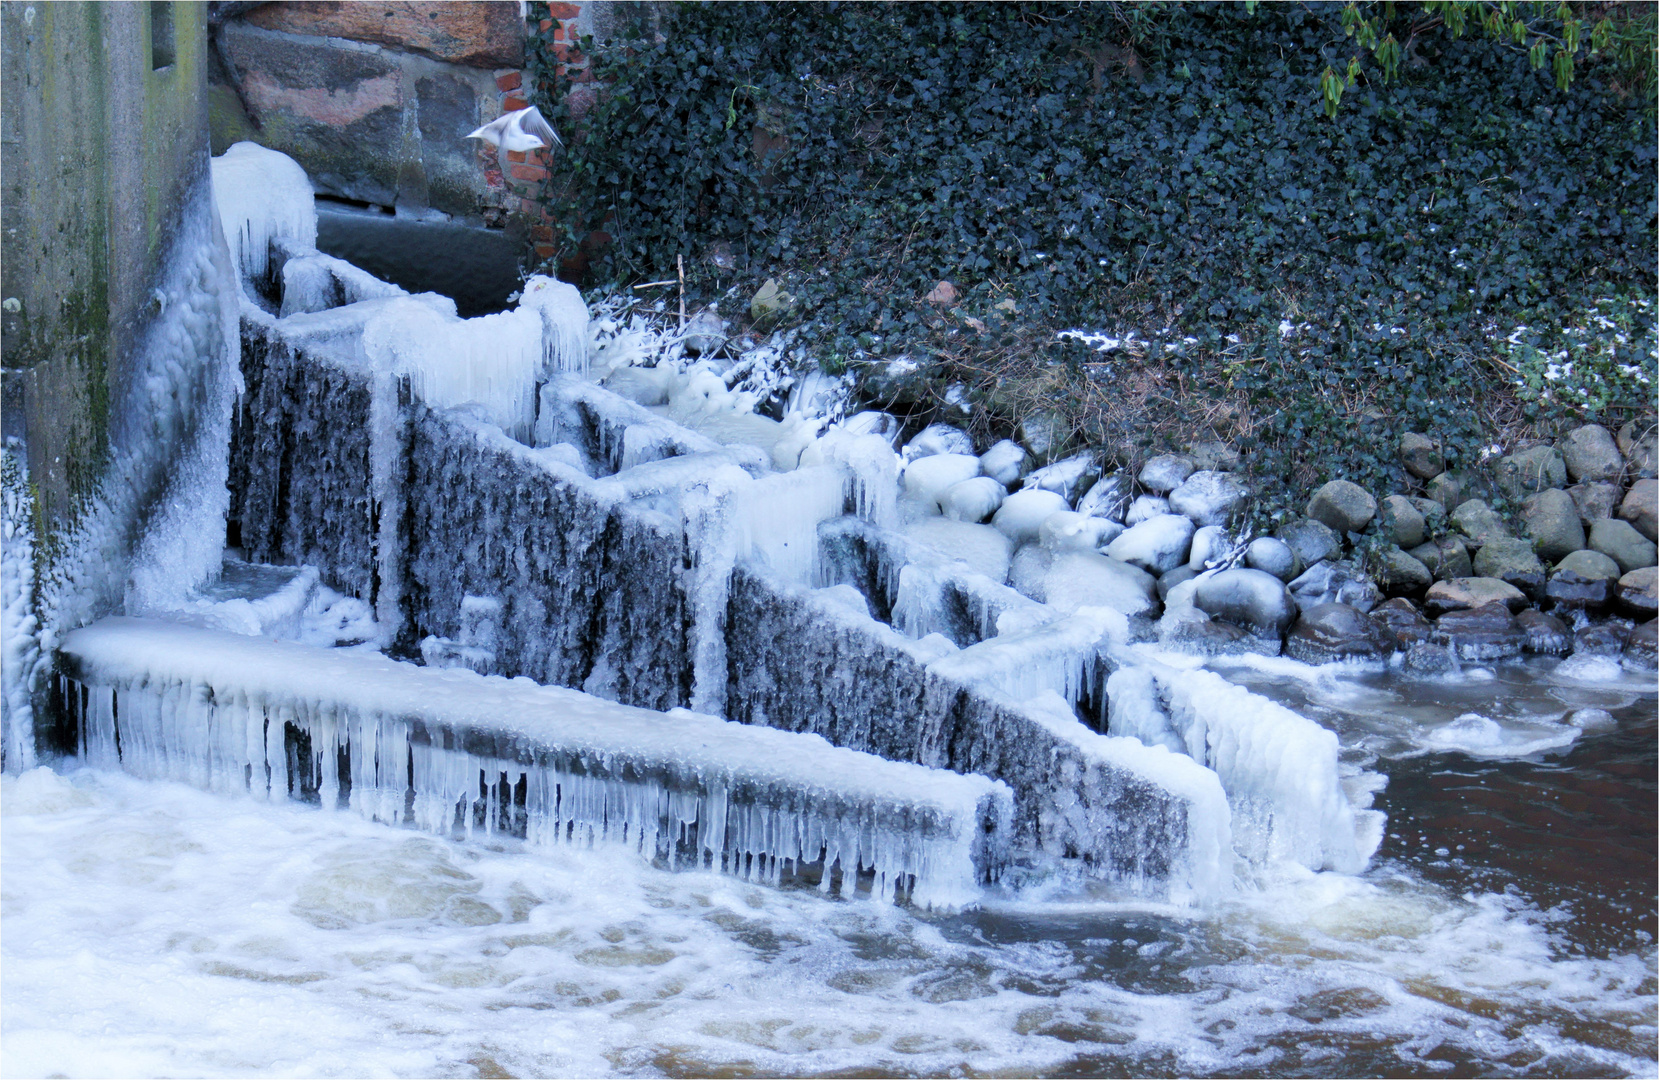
(447, 750)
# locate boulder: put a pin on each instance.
(1312, 541)
(1639, 443)
(1108, 497)
(1445, 558)
(1005, 462)
(1447, 488)
(1641, 652)
(1471, 592)
(1209, 498)
(1166, 472)
(475, 35)
(1620, 541)
(1156, 545)
(871, 422)
(1272, 556)
(1591, 454)
(1479, 522)
(1600, 639)
(1068, 477)
(1044, 433)
(1088, 579)
(1638, 592)
(1028, 572)
(1022, 514)
(1640, 506)
(1343, 507)
(1196, 632)
(1544, 635)
(928, 478)
(1431, 510)
(1553, 522)
(1403, 575)
(1584, 579)
(1483, 633)
(1331, 632)
(1421, 456)
(1595, 501)
(1208, 544)
(1404, 519)
(940, 439)
(1168, 581)
(1403, 620)
(1334, 583)
(973, 499)
(1144, 507)
(1519, 475)
(900, 380)
(1068, 530)
(1511, 560)
(1214, 455)
(1251, 599)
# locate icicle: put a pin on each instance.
(564, 320)
(261, 194)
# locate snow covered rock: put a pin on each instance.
(1067, 477)
(1334, 583)
(1108, 498)
(1156, 544)
(1023, 513)
(926, 479)
(1144, 508)
(1087, 579)
(1068, 530)
(1209, 498)
(1004, 462)
(1273, 556)
(973, 499)
(938, 439)
(1208, 544)
(1252, 599)
(1165, 473)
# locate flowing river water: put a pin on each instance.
(1506, 927)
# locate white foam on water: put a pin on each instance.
(154, 930)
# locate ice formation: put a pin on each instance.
(564, 315)
(230, 713)
(20, 653)
(261, 194)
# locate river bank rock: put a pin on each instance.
(1638, 592)
(1334, 583)
(1595, 501)
(1479, 522)
(1156, 545)
(1641, 653)
(1529, 471)
(1543, 635)
(1021, 514)
(1332, 632)
(1208, 544)
(1403, 620)
(1483, 633)
(1511, 560)
(1639, 443)
(1252, 599)
(1446, 558)
(1144, 508)
(1553, 522)
(1620, 541)
(1600, 639)
(1209, 498)
(1421, 456)
(1312, 541)
(1465, 593)
(973, 499)
(1165, 473)
(1641, 507)
(1271, 556)
(1404, 521)
(1068, 477)
(1403, 575)
(1343, 507)
(940, 439)
(1005, 462)
(1590, 454)
(1584, 579)
(1108, 498)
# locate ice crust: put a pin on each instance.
(219, 711)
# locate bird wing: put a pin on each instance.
(532, 123)
(491, 132)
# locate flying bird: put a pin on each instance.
(522, 130)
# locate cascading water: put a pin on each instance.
(1135, 865)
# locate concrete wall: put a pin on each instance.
(100, 148)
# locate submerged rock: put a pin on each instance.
(1337, 632)
(1402, 619)
(1252, 599)
(1641, 653)
(1487, 632)
(1604, 639)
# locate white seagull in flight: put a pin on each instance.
(523, 130)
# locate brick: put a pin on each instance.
(529, 172)
(510, 81)
(543, 233)
(564, 10)
(546, 24)
(546, 251)
(515, 102)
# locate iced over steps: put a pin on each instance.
(444, 749)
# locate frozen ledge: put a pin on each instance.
(448, 749)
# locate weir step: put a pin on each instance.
(450, 750)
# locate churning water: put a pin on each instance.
(1506, 927)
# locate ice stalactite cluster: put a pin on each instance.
(565, 335)
(232, 713)
(20, 653)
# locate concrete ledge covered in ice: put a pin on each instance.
(448, 749)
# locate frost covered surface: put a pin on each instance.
(225, 937)
(211, 709)
(20, 654)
